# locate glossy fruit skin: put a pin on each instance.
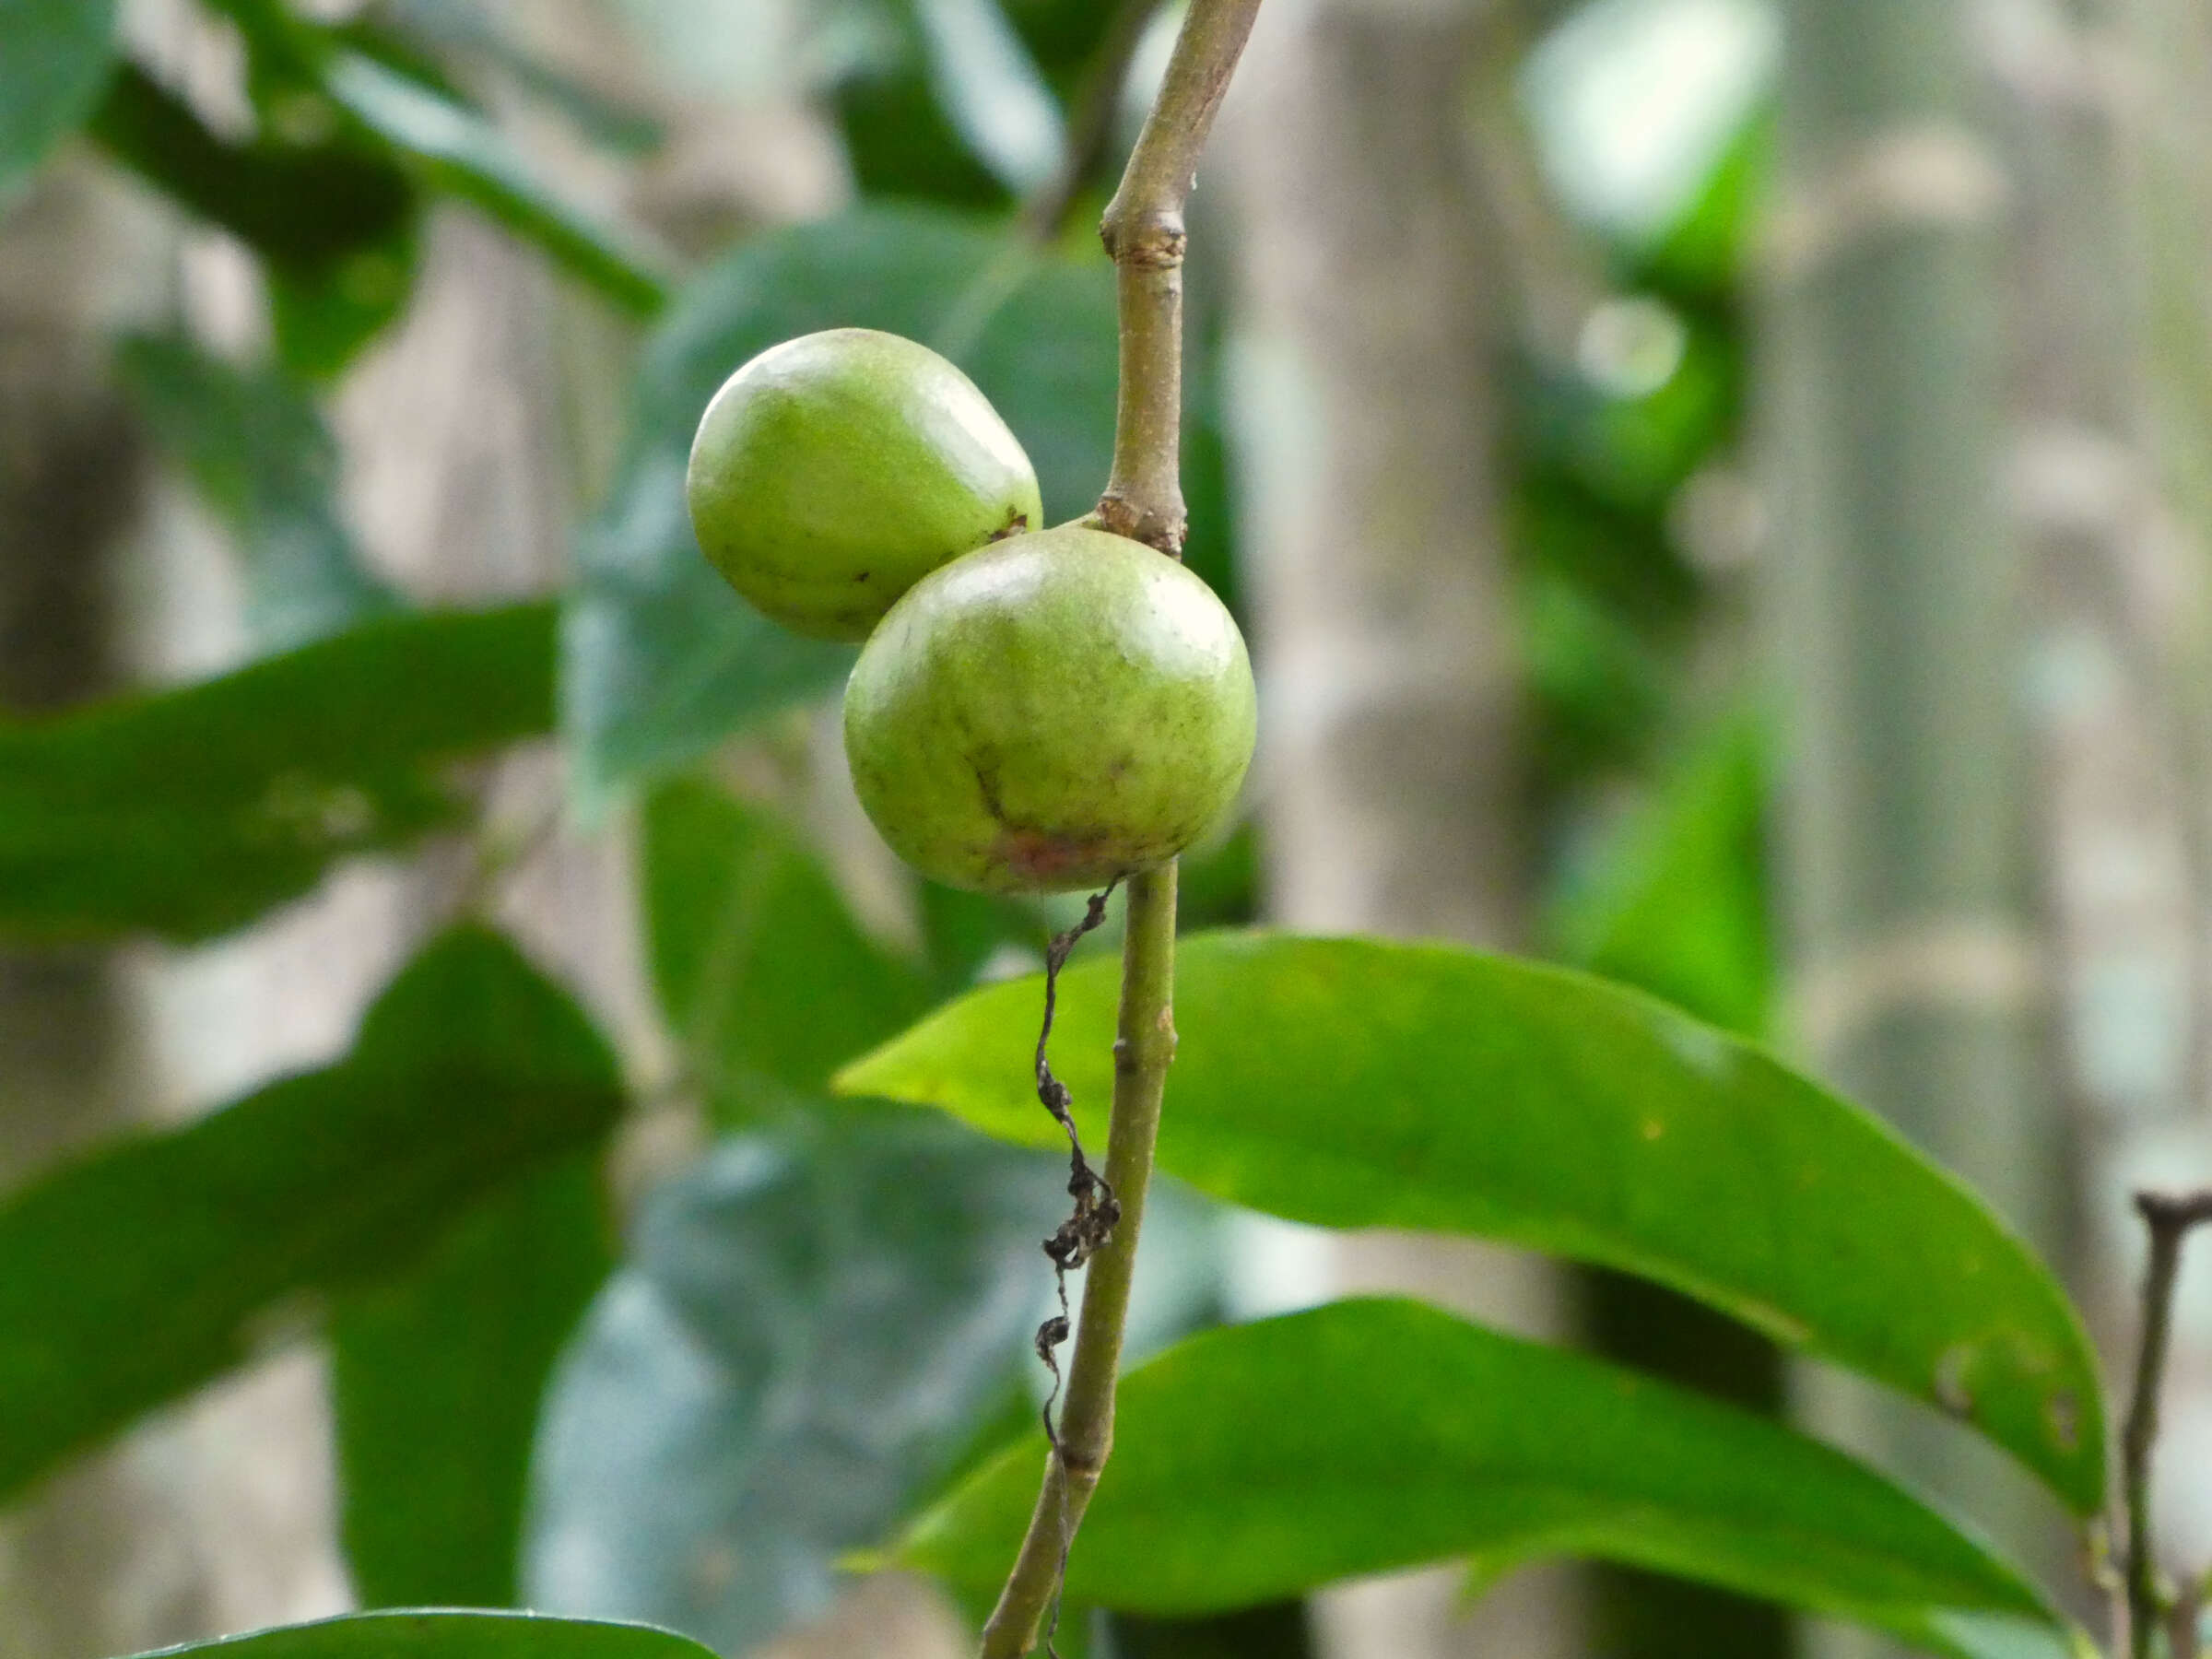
(834, 471)
(1049, 712)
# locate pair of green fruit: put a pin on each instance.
(1034, 710)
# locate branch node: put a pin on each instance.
(1162, 531)
(1151, 241)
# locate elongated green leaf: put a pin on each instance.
(468, 157)
(305, 207)
(443, 1635)
(189, 812)
(761, 971)
(990, 90)
(660, 660)
(1355, 1083)
(54, 57)
(436, 1380)
(1364, 1436)
(256, 448)
(148, 1268)
(333, 220)
(811, 1325)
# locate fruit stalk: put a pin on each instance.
(1143, 230)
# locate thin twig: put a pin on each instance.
(1143, 230)
(1090, 126)
(2169, 1220)
(1144, 234)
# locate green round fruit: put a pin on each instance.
(1049, 712)
(834, 471)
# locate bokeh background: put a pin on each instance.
(1718, 492)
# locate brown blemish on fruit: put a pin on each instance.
(1039, 856)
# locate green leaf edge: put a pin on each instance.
(677, 1641)
(2084, 1495)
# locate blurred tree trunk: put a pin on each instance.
(1389, 780)
(1915, 956)
(73, 1576)
(2108, 115)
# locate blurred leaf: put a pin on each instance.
(598, 115)
(990, 89)
(436, 1381)
(443, 1635)
(468, 157)
(764, 976)
(1444, 1439)
(135, 1275)
(1356, 1083)
(810, 1327)
(899, 137)
(301, 206)
(189, 812)
(57, 55)
(1277, 1630)
(964, 931)
(1676, 903)
(660, 660)
(333, 221)
(374, 81)
(256, 448)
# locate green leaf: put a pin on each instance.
(1357, 1083)
(333, 220)
(1441, 1440)
(465, 155)
(811, 1325)
(435, 1382)
(990, 89)
(762, 973)
(132, 1277)
(57, 57)
(443, 1635)
(190, 812)
(1676, 903)
(255, 447)
(660, 661)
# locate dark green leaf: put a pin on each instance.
(435, 1384)
(990, 90)
(470, 1071)
(964, 931)
(255, 447)
(1355, 1083)
(1441, 1440)
(443, 1635)
(333, 220)
(56, 56)
(304, 206)
(467, 155)
(1676, 903)
(811, 1326)
(765, 978)
(190, 812)
(660, 660)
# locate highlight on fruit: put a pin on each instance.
(1049, 712)
(832, 472)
